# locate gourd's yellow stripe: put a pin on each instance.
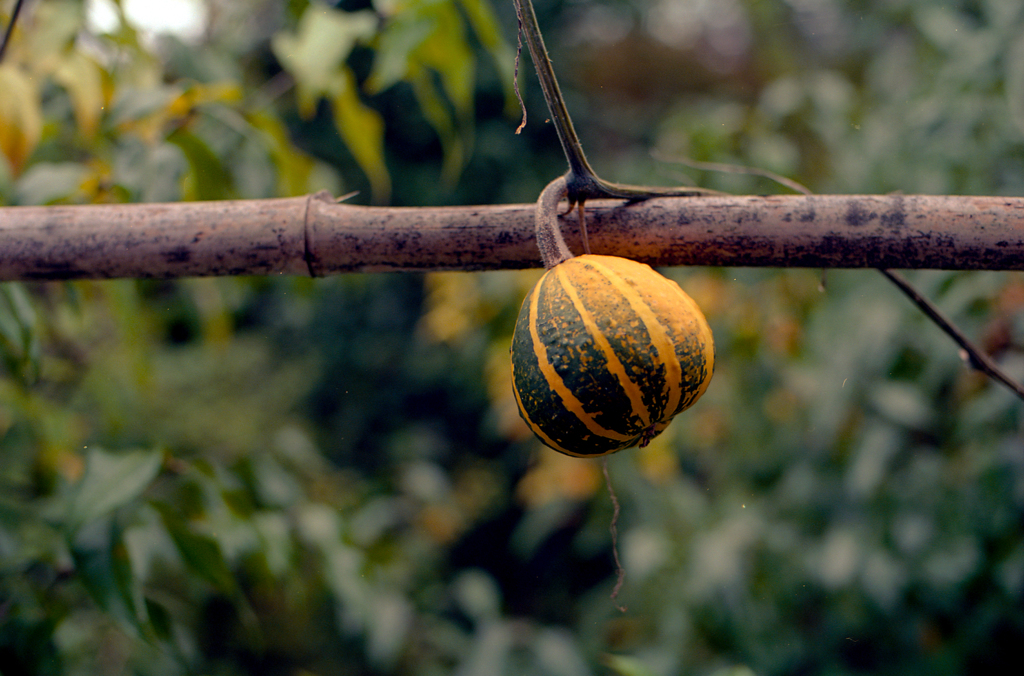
(705, 339)
(548, 440)
(615, 366)
(660, 340)
(555, 382)
(533, 426)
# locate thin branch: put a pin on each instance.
(735, 169)
(976, 357)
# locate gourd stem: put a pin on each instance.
(553, 249)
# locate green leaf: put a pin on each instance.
(447, 52)
(557, 651)
(55, 28)
(485, 25)
(21, 116)
(82, 77)
(49, 182)
(1015, 83)
(160, 619)
(627, 666)
(133, 105)
(393, 61)
(104, 568)
(111, 480)
(19, 340)
(315, 57)
(477, 595)
(210, 179)
(362, 129)
(318, 50)
(734, 671)
(155, 173)
(434, 109)
(418, 45)
(200, 552)
(293, 166)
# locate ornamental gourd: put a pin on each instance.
(606, 352)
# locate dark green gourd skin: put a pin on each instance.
(605, 353)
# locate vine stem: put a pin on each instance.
(10, 29)
(613, 528)
(571, 145)
(582, 182)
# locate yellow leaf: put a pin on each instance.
(447, 52)
(485, 25)
(454, 146)
(293, 166)
(362, 129)
(55, 26)
(83, 79)
(199, 94)
(554, 476)
(217, 92)
(21, 117)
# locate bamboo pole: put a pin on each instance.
(316, 236)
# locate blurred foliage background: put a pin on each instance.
(293, 476)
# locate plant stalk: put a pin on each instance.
(582, 182)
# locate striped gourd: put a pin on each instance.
(606, 351)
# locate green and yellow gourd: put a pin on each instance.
(606, 352)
